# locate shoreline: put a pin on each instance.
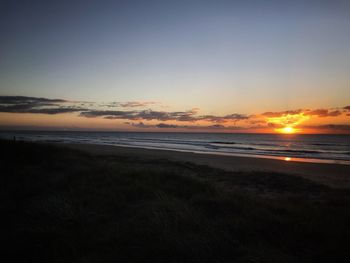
(259, 156)
(314, 150)
(331, 174)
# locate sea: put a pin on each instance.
(317, 148)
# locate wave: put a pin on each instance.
(251, 143)
(302, 151)
(238, 148)
(325, 148)
(327, 144)
(222, 142)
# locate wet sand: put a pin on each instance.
(333, 175)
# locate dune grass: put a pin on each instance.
(62, 205)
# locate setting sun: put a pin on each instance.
(287, 121)
(287, 130)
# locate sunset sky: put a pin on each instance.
(213, 66)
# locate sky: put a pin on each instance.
(184, 65)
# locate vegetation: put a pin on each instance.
(61, 205)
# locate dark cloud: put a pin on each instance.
(28, 100)
(220, 119)
(15, 107)
(281, 113)
(142, 115)
(317, 112)
(109, 114)
(183, 116)
(189, 115)
(140, 125)
(347, 108)
(340, 128)
(55, 110)
(324, 113)
(164, 125)
(257, 122)
(336, 127)
(155, 115)
(136, 104)
(139, 115)
(22, 104)
(175, 126)
(159, 125)
(129, 104)
(110, 105)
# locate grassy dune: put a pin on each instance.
(62, 205)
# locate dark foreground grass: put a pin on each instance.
(61, 205)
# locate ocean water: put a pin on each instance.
(294, 147)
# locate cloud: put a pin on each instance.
(341, 128)
(136, 104)
(324, 113)
(256, 121)
(164, 125)
(111, 104)
(22, 104)
(140, 125)
(24, 99)
(176, 126)
(129, 104)
(129, 115)
(167, 119)
(142, 115)
(281, 113)
(221, 119)
(189, 115)
(316, 112)
(155, 115)
(159, 125)
(347, 108)
(52, 111)
(182, 116)
(336, 127)
(108, 114)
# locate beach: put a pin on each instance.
(334, 175)
(175, 131)
(97, 203)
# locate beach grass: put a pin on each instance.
(63, 205)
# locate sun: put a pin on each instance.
(287, 130)
(288, 122)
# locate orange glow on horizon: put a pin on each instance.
(288, 121)
(282, 123)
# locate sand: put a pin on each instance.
(333, 175)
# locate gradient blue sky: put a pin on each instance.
(219, 56)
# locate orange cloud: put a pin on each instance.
(287, 122)
(99, 116)
(324, 113)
